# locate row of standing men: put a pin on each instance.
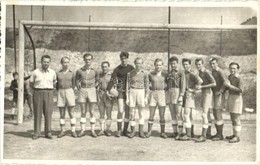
(133, 88)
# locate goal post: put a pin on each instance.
(133, 26)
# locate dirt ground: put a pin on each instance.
(18, 144)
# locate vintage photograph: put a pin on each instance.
(130, 83)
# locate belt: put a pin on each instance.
(87, 87)
(157, 89)
(136, 88)
(41, 89)
(65, 88)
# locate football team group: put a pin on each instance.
(133, 88)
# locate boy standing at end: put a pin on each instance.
(235, 101)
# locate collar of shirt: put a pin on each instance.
(236, 75)
(123, 66)
(217, 69)
(85, 68)
(157, 73)
(63, 71)
(202, 70)
(47, 70)
(188, 71)
(107, 73)
(175, 70)
(141, 70)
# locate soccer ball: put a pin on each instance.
(113, 92)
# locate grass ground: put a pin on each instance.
(18, 144)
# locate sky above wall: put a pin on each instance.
(179, 15)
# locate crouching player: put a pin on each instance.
(105, 103)
(235, 101)
(176, 88)
(138, 83)
(193, 83)
(66, 96)
(157, 79)
(206, 97)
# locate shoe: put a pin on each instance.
(81, 134)
(108, 133)
(213, 136)
(142, 135)
(229, 137)
(35, 137)
(201, 139)
(185, 138)
(174, 135)
(194, 136)
(48, 136)
(235, 139)
(208, 136)
(163, 135)
(131, 135)
(125, 133)
(118, 133)
(62, 134)
(101, 133)
(30, 116)
(218, 137)
(93, 134)
(73, 134)
(178, 137)
(148, 134)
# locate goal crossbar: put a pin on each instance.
(137, 25)
(23, 23)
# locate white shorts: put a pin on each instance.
(173, 96)
(136, 98)
(157, 97)
(235, 104)
(65, 97)
(207, 98)
(87, 94)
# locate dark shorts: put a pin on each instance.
(28, 98)
(121, 95)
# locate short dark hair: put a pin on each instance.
(158, 60)
(105, 62)
(199, 59)
(87, 55)
(186, 60)
(45, 56)
(213, 59)
(138, 58)
(234, 63)
(124, 54)
(15, 73)
(65, 57)
(174, 58)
